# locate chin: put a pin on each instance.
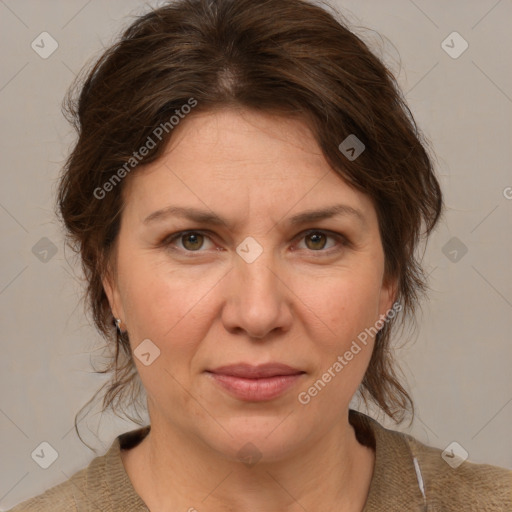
(255, 440)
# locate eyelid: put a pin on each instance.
(342, 239)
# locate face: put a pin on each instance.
(265, 284)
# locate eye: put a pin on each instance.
(191, 241)
(315, 241)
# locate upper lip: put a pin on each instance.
(249, 371)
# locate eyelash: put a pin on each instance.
(343, 242)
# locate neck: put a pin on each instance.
(173, 471)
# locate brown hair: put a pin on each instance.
(286, 57)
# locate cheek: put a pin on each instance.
(349, 308)
(165, 304)
(341, 304)
(168, 308)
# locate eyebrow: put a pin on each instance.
(208, 217)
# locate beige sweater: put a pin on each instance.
(408, 476)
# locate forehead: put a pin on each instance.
(231, 138)
(239, 160)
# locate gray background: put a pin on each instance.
(457, 366)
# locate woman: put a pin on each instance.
(247, 193)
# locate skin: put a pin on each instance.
(301, 302)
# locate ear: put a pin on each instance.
(114, 297)
(388, 294)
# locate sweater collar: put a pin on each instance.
(395, 484)
(118, 483)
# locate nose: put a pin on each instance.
(259, 301)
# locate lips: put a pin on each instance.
(255, 383)
(247, 371)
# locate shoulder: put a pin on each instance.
(467, 485)
(449, 482)
(103, 485)
(84, 489)
(411, 475)
(62, 497)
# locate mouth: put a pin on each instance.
(255, 383)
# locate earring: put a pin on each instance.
(118, 325)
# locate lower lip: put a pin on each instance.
(256, 390)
